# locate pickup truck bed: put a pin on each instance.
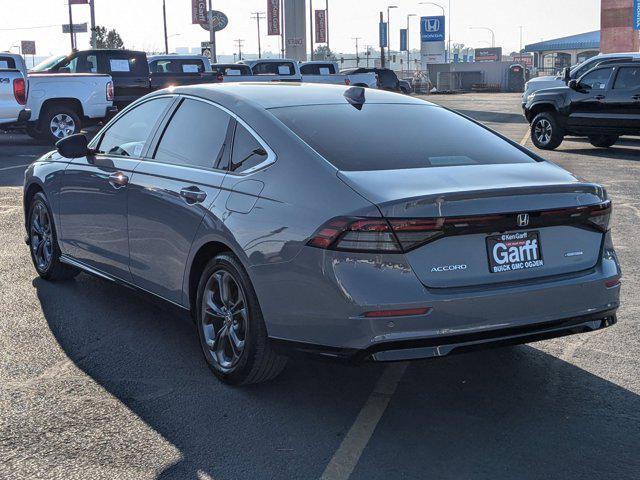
(13, 95)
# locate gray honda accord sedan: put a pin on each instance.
(342, 222)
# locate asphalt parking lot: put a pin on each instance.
(99, 382)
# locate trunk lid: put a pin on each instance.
(495, 194)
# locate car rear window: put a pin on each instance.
(7, 62)
(396, 136)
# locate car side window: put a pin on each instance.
(628, 78)
(128, 135)
(274, 68)
(195, 136)
(597, 79)
(247, 151)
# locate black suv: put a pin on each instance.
(603, 104)
(387, 78)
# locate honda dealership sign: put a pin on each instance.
(636, 15)
(432, 29)
(432, 36)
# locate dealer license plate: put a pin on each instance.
(510, 252)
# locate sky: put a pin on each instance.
(139, 22)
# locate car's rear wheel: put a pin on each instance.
(43, 242)
(546, 133)
(232, 332)
(603, 141)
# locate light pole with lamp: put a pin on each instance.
(493, 34)
(389, 30)
(408, 49)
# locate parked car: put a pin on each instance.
(129, 70)
(387, 78)
(568, 74)
(13, 97)
(170, 70)
(274, 216)
(12, 61)
(319, 71)
(62, 104)
(603, 104)
(233, 72)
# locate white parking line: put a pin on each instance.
(346, 458)
(24, 165)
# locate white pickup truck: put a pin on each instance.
(283, 70)
(62, 104)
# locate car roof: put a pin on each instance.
(286, 94)
(619, 54)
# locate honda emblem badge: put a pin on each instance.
(523, 219)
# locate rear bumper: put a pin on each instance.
(441, 346)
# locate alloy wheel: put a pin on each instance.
(543, 131)
(41, 237)
(62, 125)
(224, 319)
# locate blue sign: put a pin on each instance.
(383, 34)
(636, 15)
(403, 39)
(432, 29)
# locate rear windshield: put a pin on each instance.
(7, 62)
(389, 137)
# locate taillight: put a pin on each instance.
(20, 91)
(110, 92)
(378, 84)
(220, 77)
(347, 82)
(398, 235)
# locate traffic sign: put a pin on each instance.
(28, 47)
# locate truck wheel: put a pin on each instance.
(603, 141)
(546, 133)
(232, 332)
(57, 122)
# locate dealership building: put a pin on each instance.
(554, 55)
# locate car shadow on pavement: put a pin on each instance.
(493, 117)
(510, 413)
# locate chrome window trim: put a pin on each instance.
(271, 156)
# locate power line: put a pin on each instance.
(28, 28)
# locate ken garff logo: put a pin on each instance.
(432, 24)
(523, 219)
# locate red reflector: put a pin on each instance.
(220, 77)
(109, 91)
(20, 91)
(397, 313)
(612, 283)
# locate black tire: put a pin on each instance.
(546, 132)
(43, 239)
(603, 141)
(257, 361)
(62, 115)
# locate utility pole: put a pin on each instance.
(408, 49)
(282, 48)
(311, 27)
(71, 27)
(164, 18)
(212, 35)
(389, 29)
(357, 55)
(239, 42)
(520, 51)
(257, 16)
(94, 38)
(327, 20)
(383, 63)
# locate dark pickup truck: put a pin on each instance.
(129, 69)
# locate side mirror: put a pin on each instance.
(573, 84)
(74, 146)
(566, 73)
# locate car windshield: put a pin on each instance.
(48, 63)
(396, 136)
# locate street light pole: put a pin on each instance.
(493, 34)
(212, 35)
(326, 14)
(94, 38)
(389, 30)
(357, 55)
(164, 19)
(258, 16)
(408, 48)
(71, 26)
(311, 27)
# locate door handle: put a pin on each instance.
(193, 195)
(599, 97)
(118, 180)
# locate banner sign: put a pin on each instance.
(77, 28)
(432, 29)
(403, 39)
(383, 34)
(636, 15)
(79, 2)
(321, 26)
(489, 54)
(524, 59)
(28, 47)
(273, 17)
(198, 11)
